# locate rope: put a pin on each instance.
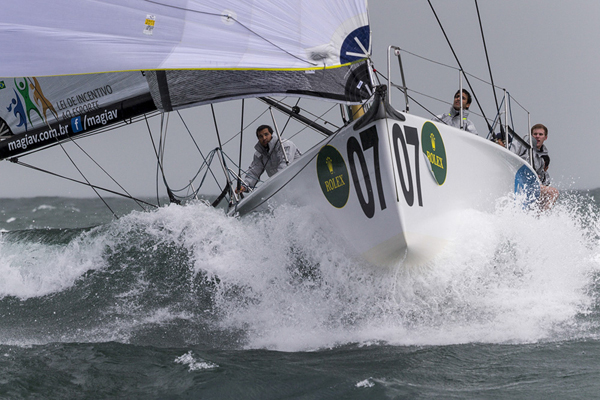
(207, 163)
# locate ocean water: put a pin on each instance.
(183, 302)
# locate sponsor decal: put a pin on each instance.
(333, 176)
(59, 130)
(149, 24)
(28, 103)
(29, 100)
(76, 125)
(84, 102)
(527, 185)
(433, 147)
(32, 108)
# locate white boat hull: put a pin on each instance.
(395, 189)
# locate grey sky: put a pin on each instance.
(543, 52)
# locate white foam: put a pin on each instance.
(193, 364)
(43, 207)
(509, 277)
(31, 269)
(367, 383)
(285, 281)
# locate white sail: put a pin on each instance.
(60, 37)
(171, 54)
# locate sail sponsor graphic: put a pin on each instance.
(433, 147)
(83, 102)
(149, 24)
(30, 104)
(62, 130)
(333, 176)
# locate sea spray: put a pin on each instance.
(35, 263)
(284, 280)
(510, 276)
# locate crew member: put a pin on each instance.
(269, 156)
(453, 117)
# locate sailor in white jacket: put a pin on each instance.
(453, 117)
(539, 133)
(269, 156)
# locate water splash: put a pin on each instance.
(282, 280)
(193, 364)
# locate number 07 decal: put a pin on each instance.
(363, 184)
(369, 139)
(403, 163)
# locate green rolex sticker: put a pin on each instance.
(433, 148)
(333, 176)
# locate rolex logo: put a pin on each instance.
(329, 164)
(333, 177)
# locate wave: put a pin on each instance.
(282, 280)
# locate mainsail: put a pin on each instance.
(71, 66)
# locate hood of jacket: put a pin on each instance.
(274, 142)
(456, 113)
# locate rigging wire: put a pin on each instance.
(486, 56)
(106, 172)
(326, 142)
(458, 62)
(159, 167)
(16, 161)
(35, 85)
(447, 66)
(319, 117)
(425, 95)
(88, 182)
(212, 108)
(315, 116)
(246, 127)
(290, 116)
(239, 180)
(206, 162)
(454, 68)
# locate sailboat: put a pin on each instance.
(391, 184)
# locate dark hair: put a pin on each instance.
(465, 92)
(260, 128)
(540, 126)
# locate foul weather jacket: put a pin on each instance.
(539, 165)
(453, 119)
(270, 159)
